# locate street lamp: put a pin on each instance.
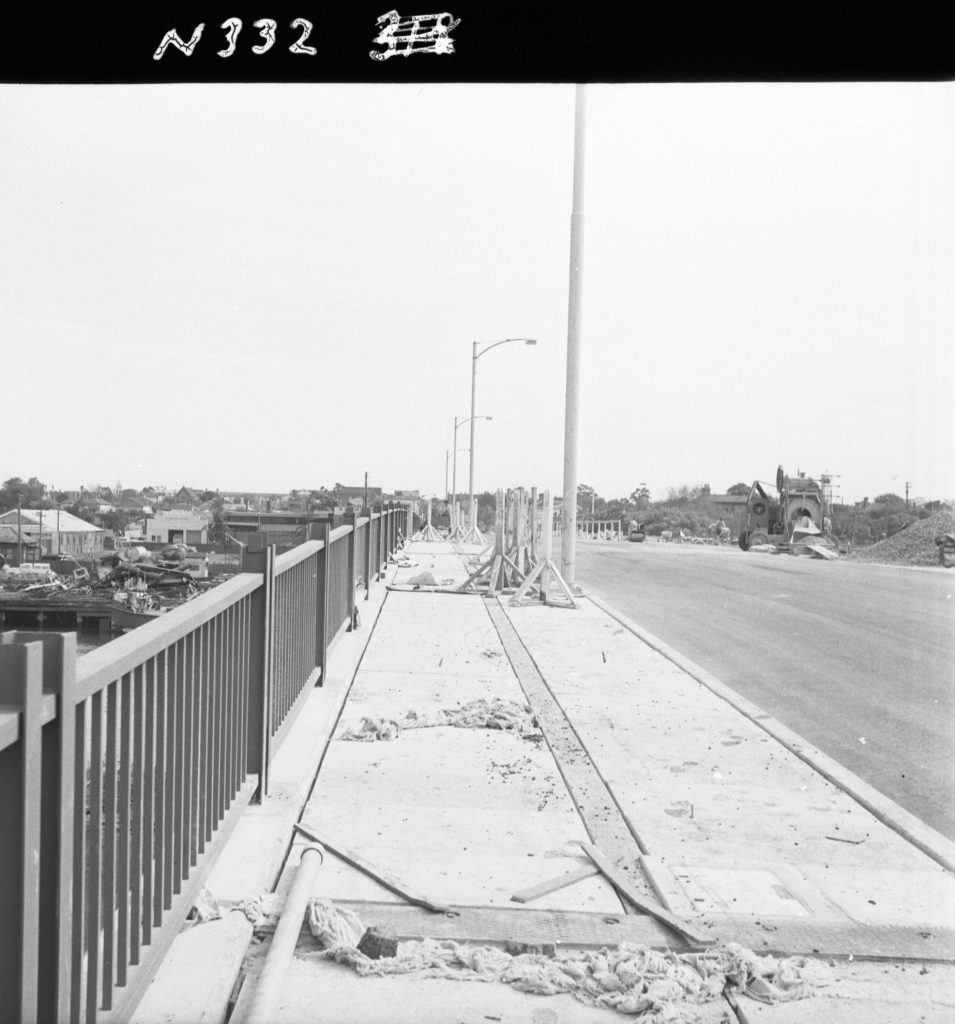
(476, 355)
(454, 471)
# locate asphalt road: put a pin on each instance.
(857, 659)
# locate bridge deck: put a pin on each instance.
(703, 810)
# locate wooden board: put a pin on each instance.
(491, 925)
(535, 892)
(601, 816)
(692, 932)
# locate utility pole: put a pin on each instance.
(568, 545)
(907, 485)
(19, 529)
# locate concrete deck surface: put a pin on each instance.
(731, 830)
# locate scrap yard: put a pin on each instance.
(112, 593)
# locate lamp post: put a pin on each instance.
(475, 356)
(454, 461)
(568, 538)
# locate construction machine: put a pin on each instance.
(636, 532)
(794, 520)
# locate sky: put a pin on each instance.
(263, 287)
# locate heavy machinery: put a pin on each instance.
(636, 532)
(795, 520)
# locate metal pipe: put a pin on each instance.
(268, 987)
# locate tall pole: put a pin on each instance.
(454, 465)
(474, 359)
(568, 546)
(19, 530)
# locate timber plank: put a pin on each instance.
(596, 805)
(499, 925)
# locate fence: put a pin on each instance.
(122, 773)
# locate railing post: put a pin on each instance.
(351, 519)
(382, 539)
(368, 556)
(259, 557)
(322, 532)
(21, 691)
(57, 827)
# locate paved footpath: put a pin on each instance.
(704, 805)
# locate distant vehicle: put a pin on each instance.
(794, 520)
(637, 533)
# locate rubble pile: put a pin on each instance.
(915, 545)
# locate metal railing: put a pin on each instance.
(123, 772)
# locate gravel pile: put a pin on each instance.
(915, 545)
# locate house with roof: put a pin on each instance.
(186, 496)
(50, 531)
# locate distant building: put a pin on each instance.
(349, 495)
(51, 531)
(186, 496)
(177, 526)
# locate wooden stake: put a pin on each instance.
(553, 884)
(356, 861)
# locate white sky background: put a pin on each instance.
(261, 287)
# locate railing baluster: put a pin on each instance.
(109, 847)
(140, 786)
(162, 849)
(80, 811)
(210, 687)
(172, 816)
(125, 825)
(94, 891)
(222, 706)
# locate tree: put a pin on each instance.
(700, 493)
(30, 494)
(586, 496)
(217, 529)
(640, 496)
(739, 488)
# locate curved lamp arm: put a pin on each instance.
(477, 355)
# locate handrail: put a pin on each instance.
(298, 554)
(105, 664)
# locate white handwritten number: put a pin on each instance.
(299, 45)
(172, 38)
(266, 28)
(233, 27)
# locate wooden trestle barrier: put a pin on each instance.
(520, 561)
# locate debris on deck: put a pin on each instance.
(507, 715)
(644, 983)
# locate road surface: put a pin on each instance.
(857, 659)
